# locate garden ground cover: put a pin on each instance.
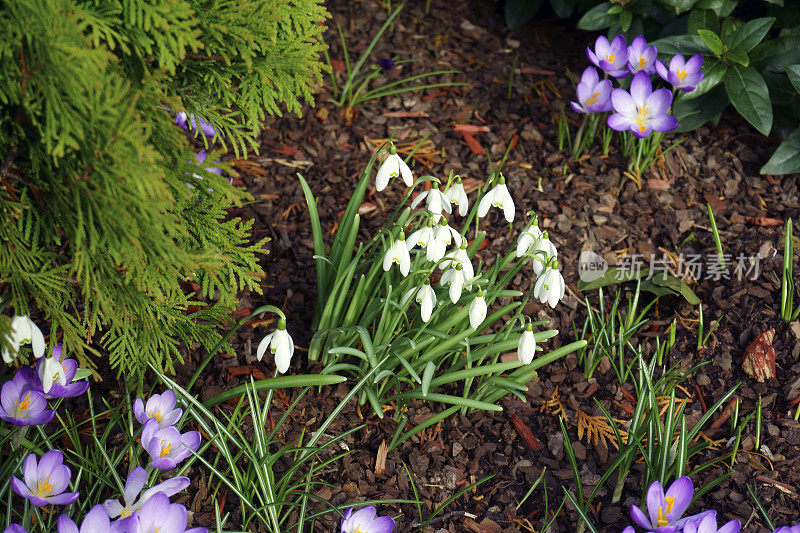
(589, 205)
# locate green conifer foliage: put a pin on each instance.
(99, 229)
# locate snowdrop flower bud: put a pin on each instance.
(280, 344)
(455, 277)
(498, 197)
(457, 195)
(526, 349)
(392, 167)
(423, 237)
(477, 310)
(550, 287)
(23, 331)
(50, 371)
(543, 251)
(459, 256)
(529, 236)
(398, 253)
(436, 201)
(426, 299)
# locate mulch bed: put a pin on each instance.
(586, 205)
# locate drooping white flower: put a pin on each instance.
(280, 344)
(392, 167)
(526, 349)
(459, 256)
(436, 201)
(477, 310)
(543, 251)
(456, 194)
(443, 236)
(50, 371)
(23, 331)
(529, 236)
(456, 279)
(421, 238)
(550, 287)
(426, 298)
(498, 197)
(398, 253)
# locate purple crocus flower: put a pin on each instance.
(365, 521)
(201, 158)
(166, 446)
(14, 528)
(45, 480)
(594, 96)
(386, 63)
(788, 529)
(133, 490)
(68, 368)
(665, 510)
(188, 122)
(21, 404)
(708, 524)
(160, 407)
(95, 521)
(158, 515)
(610, 57)
(643, 109)
(683, 75)
(641, 57)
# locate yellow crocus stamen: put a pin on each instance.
(165, 448)
(670, 503)
(662, 515)
(592, 99)
(610, 58)
(23, 405)
(156, 415)
(642, 62)
(642, 128)
(682, 74)
(44, 488)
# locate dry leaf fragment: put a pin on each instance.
(759, 358)
(380, 458)
(526, 434)
(597, 430)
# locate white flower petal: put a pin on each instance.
(405, 262)
(477, 312)
(418, 199)
(263, 345)
(486, 203)
(37, 341)
(405, 172)
(385, 173)
(526, 349)
(507, 202)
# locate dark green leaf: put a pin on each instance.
(563, 8)
(710, 4)
(518, 12)
(776, 2)
(669, 281)
(714, 71)
(712, 40)
(700, 19)
(693, 113)
(597, 18)
(680, 6)
(737, 55)
(793, 71)
(680, 44)
(786, 159)
(612, 276)
(625, 19)
(778, 53)
(747, 36)
(726, 8)
(749, 95)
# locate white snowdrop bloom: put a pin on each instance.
(23, 331)
(459, 255)
(498, 197)
(421, 238)
(529, 236)
(443, 236)
(526, 349)
(477, 310)
(398, 253)
(392, 167)
(456, 194)
(550, 287)
(51, 371)
(456, 279)
(280, 344)
(426, 299)
(435, 201)
(543, 251)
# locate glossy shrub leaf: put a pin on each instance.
(597, 18)
(702, 19)
(777, 53)
(726, 8)
(709, 4)
(688, 45)
(747, 36)
(625, 19)
(518, 12)
(712, 40)
(680, 6)
(776, 2)
(714, 72)
(563, 8)
(749, 95)
(737, 55)
(786, 159)
(793, 71)
(693, 113)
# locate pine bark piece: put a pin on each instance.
(759, 358)
(526, 434)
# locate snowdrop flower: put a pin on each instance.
(611, 57)
(69, 367)
(707, 523)
(366, 521)
(641, 57)
(23, 331)
(50, 371)
(133, 496)
(280, 344)
(498, 197)
(459, 256)
(160, 407)
(398, 253)
(168, 447)
(477, 310)
(550, 287)
(529, 236)
(526, 349)
(392, 167)
(456, 194)
(542, 251)
(45, 480)
(443, 236)
(423, 237)
(426, 299)
(436, 201)
(455, 278)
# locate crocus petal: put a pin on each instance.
(694, 64)
(662, 70)
(577, 108)
(623, 102)
(619, 122)
(96, 520)
(731, 527)
(641, 87)
(640, 518)
(590, 77)
(655, 500)
(677, 63)
(134, 484)
(592, 57)
(641, 130)
(65, 498)
(658, 102)
(66, 525)
(382, 524)
(663, 123)
(682, 490)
